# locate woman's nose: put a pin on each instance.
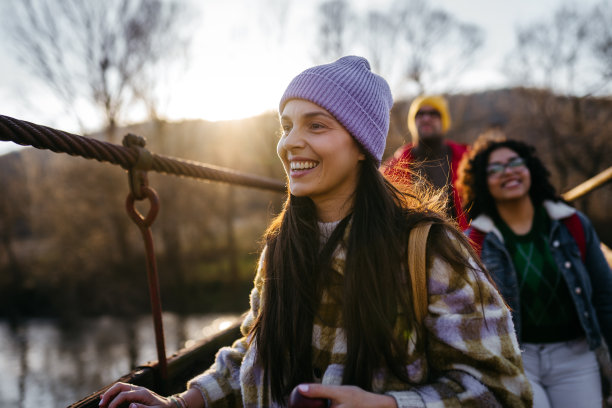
(508, 169)
(292, 139)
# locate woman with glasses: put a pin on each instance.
(546, 260)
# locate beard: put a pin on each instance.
(431, 138)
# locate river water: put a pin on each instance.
(46, 364)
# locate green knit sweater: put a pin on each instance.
(547, 311)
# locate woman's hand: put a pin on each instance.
(347, 396)
(122, 393)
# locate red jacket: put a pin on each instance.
(403, 159)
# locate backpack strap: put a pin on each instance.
(417, 267)
(574, 225)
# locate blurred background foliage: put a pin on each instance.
(67, 246)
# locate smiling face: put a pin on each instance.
(508, 177)
(321, 158)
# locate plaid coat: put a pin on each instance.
(474, 358)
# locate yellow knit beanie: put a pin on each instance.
(437, 102)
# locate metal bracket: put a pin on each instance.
(137, 175)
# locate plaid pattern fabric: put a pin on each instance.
(474, 358)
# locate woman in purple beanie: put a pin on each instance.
(332, 309)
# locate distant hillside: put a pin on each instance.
(66, 239)
(573, 137)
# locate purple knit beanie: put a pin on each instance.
(359, 99)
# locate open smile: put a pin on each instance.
(511, 183)
(302, 165)
(299, 167)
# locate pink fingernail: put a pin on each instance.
(303, 387)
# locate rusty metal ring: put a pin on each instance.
(135, 215)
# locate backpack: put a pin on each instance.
(572, 223)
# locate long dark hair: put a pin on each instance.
(476, 197)
(374, 282)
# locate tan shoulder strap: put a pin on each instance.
(417, 267)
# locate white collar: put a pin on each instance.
(556, 210)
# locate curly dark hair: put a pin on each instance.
(475, 194)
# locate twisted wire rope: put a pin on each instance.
(43, 137)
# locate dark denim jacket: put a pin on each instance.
(590, 282)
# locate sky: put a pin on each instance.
(237, 70)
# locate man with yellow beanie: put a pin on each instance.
(438, 158)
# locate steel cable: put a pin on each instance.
(42, 137)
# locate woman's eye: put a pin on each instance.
(317, 126)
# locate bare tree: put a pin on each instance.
(434, 47)
(101, 55)
(549, 53)
(380, 35)
(558, 56)
(600, 35)
(425, 46)
(335, 17)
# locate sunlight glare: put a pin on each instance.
(225, 92)
(235, 71)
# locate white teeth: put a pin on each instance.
(510, 183)
(302, 165)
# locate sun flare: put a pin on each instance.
(225, 92)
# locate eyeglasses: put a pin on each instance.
(496, 169)
(430, 113)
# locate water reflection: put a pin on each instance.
(45, 365)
